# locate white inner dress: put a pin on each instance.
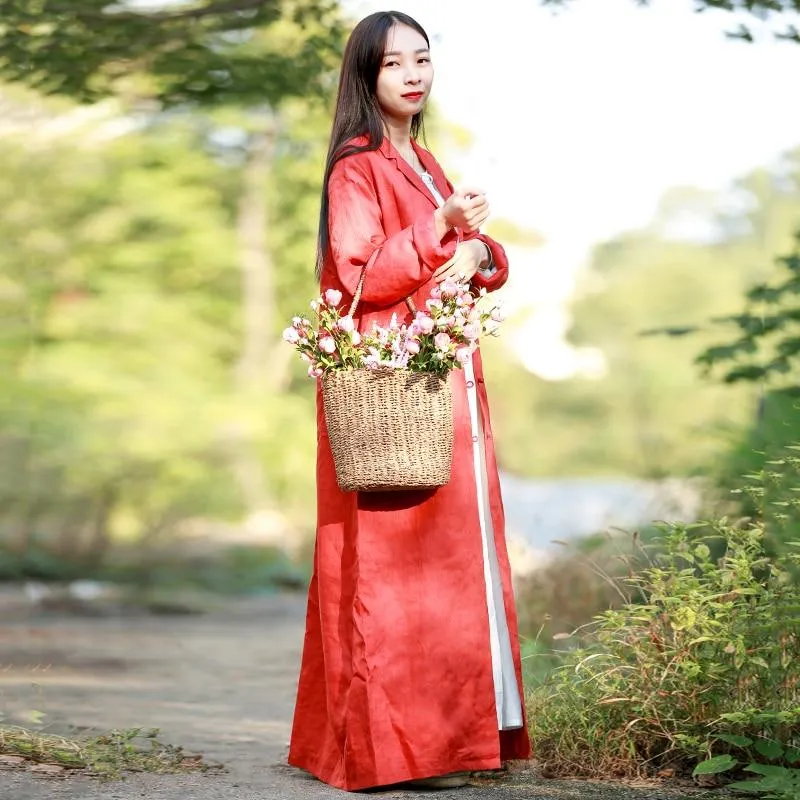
(506, 689)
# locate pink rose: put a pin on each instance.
(346, 323)
(327, 344)
(333, 297)
(463, 355)
(424, 323)
(442, 341)
(412, 346)
(314, 372)
(472, 331)
(355, 337)
(291, 335)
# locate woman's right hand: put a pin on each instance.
(466, 209)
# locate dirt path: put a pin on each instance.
(221, 684)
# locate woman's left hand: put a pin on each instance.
(465, 263)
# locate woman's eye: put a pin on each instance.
(391, 63)
(424, 60)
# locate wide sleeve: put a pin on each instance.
(500, 262)
(397, 265)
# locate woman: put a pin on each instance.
(411, 665)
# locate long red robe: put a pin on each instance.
(396, 677)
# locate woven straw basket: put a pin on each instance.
(389, 429)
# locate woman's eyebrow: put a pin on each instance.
(398, 53)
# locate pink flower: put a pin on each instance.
(497, 314)
(435, 293)
(314, 304)
(346, 323)
(355, 337)
(449, 288)
(463, 355)
(291, 335)
(307, 358)
(424, 323)
(472, 331)
(412, 346)
(314, 372)
(327, 344)
(333, 297)
(442, 341)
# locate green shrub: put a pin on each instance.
(711, 651)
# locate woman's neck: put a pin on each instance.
(399, 133)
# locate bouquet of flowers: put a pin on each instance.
(442, 337)
(386, 394)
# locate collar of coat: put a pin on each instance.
(390, 152)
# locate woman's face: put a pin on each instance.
(406, 75)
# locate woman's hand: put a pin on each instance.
(465, 209)
(469, 258)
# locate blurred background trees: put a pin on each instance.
(160, 191)
(159, 175)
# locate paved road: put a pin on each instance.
(221, 684)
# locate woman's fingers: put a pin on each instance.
(447, 264)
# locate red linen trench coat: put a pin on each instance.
(396, 675)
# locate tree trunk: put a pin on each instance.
(258, 311)
(258, 294)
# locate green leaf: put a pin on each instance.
(769, 749)
(738, 741)
(769, 770)
(757, 787)
(714, 766)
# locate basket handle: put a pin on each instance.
(360, 288)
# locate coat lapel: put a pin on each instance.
(392, 154)
(432, 166)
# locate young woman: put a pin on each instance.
(411, 665)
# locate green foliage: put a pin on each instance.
(760, 451)
(766, 344)
(776, 782)
(205, 51)
(711, 651)
(122, 304)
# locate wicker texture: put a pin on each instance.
(389, 429)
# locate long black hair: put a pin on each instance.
(357, 110)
